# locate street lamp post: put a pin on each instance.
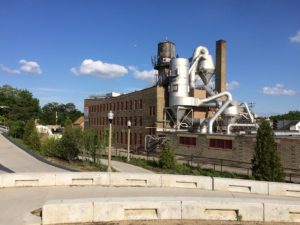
(110, 116)
(128, 140)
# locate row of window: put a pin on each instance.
(117, 106)
(118, 121)
(122, 137)
(213, 143)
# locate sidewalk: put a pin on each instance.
(125, 167)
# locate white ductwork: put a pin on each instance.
(202, 64)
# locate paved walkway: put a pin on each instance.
(125, 167)
(12, 158)
(17, 203)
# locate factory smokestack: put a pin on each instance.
(221, 66)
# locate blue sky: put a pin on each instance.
(66, 50)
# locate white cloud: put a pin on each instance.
(99, 69)
(296, 38)
(147, 75)
(278, 89)
(26, 66)
(9, 70)
(232, 85)
(30, 67)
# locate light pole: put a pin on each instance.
(110, 116)
(128, 140)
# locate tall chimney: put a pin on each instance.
(221, 66)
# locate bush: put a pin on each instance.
(70, 143)
(51, 147)
(266, 163)
(166, 158)
(30, 137)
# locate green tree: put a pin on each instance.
(70, 142)
(91, 143)
(166, 158)
(16, 129)
(291, 115)
(31, 137)
(266, 163)
(64, 111)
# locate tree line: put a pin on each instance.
(291, 115)
(17, 106)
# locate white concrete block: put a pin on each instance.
(183, 181)
(1, 183)
(82, 179)
(284, 189)
(28, 179)
(135, 180)
(67, 211)
(276, 212)
(115, 210)
(239, 185)
(222, 210)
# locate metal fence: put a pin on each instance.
(221, 165)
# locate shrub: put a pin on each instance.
(266, 163)
(166, 158)
(51, 147)
(30, 137)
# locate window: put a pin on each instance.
(135, 104)
(122, 106)
(126, 105)
(118, 106)
(131, 104)
(141, 104)
(220, 143)
(187, 140)
(141, 121)
(135, 121)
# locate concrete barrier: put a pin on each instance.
(183, 181)
(238, 185)
(135, 180)
(130, 209)
(28, 179)
(67, 211)
(222, 210)
(82, 179)
(1, 183)
(283, 189)
(288, 212)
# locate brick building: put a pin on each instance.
(143, 108)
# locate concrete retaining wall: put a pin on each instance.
(183, 181)
(222, 210)
(147, 180)
(238, 185)
(116, 209)
(82, 178)
(283, 189)
(279, 212)
(27, 179)
(135, 180)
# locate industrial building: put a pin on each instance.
(197, 119)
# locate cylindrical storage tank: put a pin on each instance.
(166, 51)
(179, 80)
